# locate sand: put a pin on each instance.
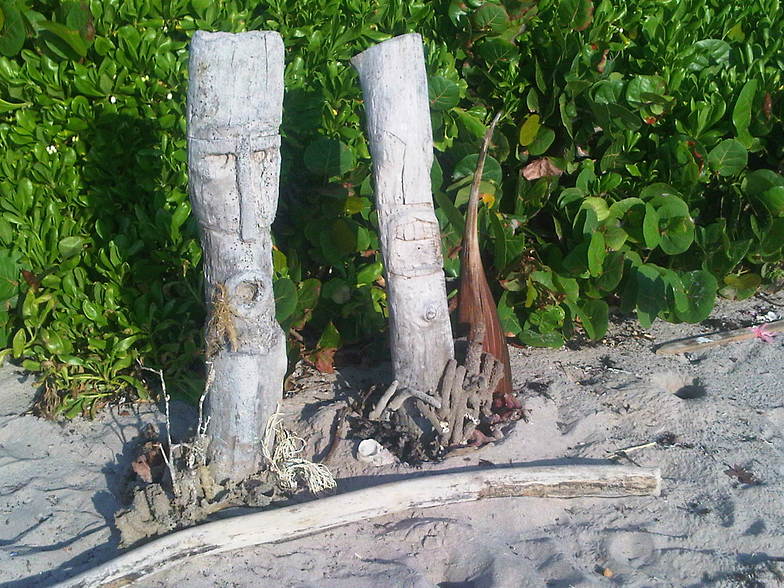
(719, 520)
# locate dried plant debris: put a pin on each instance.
(397, 439)
(695, 508)
(286, 463)
(172, 486)
(463, 410)
(158, 504)
(220, 327)
(742, 475)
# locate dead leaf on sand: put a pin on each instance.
(743, 475)
(142, 469)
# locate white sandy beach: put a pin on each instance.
(60, 483)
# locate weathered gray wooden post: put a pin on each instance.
(235, 103)
(394, 84)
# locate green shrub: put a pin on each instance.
(638, 159)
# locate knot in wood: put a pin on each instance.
(248, 294)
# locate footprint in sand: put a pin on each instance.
(631, 550)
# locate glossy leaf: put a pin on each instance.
(700, 292)
(728, 158)
(444, 94)
(575, 14)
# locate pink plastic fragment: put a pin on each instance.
(761, 332)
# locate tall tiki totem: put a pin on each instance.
(235, 103)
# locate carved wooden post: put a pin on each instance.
(235, 103)
(394, 84)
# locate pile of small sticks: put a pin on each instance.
(463, 399)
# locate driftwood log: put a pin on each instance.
(291, 522)
(394, 85)
(235, 103)
(712, 339)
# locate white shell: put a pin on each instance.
(372, 452)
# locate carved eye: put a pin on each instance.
(218, 166)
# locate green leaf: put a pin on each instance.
(337, 291)
(89, 310)
(470, 122)
(596, 253)
(9, 278)
(741, 114)
(369, 273)
(676, 227)
(548, 318)
(529, 129)
(708, 52)
(740, 287)
(285, 298)
(639, 86)
(444, 94)
(6, 106)
(338, 241)
(491, 18)
(544, 138)
(760, 181)
(329, 158)
(466, 167)
(308, 294)
(510, 324)
(19, 343)
(70, 246)
(575, 14)
(594, 316)
(12, 31)
(125, 344)
(700, 289)
(773, 199)
(728, 158)
(180, 215)
(330, 338)
(612, 271)
(651, 299)
(533, 338)
(497, 49)
(72, 39)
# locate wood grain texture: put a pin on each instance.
(394, 85)
(235, 106)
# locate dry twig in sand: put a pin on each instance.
(464, 396)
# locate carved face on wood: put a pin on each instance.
(417, 238)
(233, 184)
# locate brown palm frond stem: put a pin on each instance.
(476, 305)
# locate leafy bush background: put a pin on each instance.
(638, 162)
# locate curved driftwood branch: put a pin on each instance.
(291, 522)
